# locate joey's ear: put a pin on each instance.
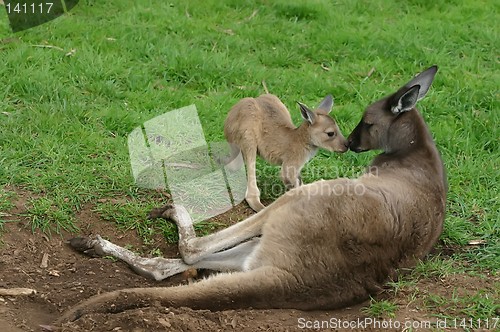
(407, 101)
(326, 104)
(307, 114)
(424, 79)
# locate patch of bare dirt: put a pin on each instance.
(64, 277)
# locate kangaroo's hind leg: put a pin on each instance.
(231, 256)
(157, 268)
(252, 194)
(195, 249)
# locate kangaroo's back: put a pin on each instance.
(274, 111)
(251, 117)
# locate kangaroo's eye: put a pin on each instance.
(330, 133)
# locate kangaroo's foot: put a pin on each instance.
(90, 246)
(165, 212)
(157, 268)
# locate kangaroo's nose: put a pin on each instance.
(353, 146)
(345, 146)
(349, 142)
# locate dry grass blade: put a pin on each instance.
(370, 72)
(49, 46)
(265, 86)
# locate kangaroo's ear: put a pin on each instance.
(307, 114)
(407, 101)
(424, 79)
(326, 104)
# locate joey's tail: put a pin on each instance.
(264, 288)
(234, 161)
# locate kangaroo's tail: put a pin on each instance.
(262, 288)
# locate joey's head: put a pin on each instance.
(389, 124)
(322, 128)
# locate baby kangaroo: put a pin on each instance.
(263, 126)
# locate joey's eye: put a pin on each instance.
(330, 133)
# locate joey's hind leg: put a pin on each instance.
(252, 194)
(235, 161)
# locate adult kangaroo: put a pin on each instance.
(324, 245)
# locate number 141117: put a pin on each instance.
(29, 8)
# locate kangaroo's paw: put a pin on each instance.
(90, 246)
(164, 212)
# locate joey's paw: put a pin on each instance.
(164, 212)
(88, 245)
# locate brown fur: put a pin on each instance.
(263, 126)
(323, 245)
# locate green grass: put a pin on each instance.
(380, 309)
(133, 215)
(47, 215)
(478, 307)
(6, 198)
(448, 301)
(436, 268)
(108, 66)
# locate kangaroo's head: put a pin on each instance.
(387, 124)
(323, 130)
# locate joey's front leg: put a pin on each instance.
(290, 175)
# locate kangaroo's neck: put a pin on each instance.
(411, 146)
(302, 136)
